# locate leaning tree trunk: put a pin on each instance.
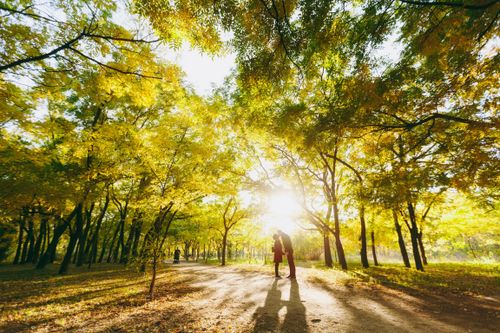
(59, 230)
(72, 242)
(17, 257)
(39, 240)
(82, 251)
(422, 249)
(401, 240)
(364, 251)
(327, 250)
(414, 237)
(374, 253)
(338, 242)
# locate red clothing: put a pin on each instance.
(278, 251)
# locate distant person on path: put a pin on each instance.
(177, 256)
(287, 245)
(278, 254)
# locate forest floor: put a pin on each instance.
(246, 298)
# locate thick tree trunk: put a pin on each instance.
(327, 250)
(17, 257)
(422, 249)
(374, 253)
(414, 237)
(364, 251)
(72, 241)
(401, 240)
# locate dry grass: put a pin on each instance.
(105, 299)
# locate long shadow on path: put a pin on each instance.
(267, 318)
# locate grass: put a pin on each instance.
(34, 300)
(458, 278)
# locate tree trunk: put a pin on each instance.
(19, 241)
(82, 251)
(327, 250)
(112, 246)
(153, 278)
(224, 246)
(72, 241)
(39, 241)
(137, 238)
(27, 253)
(414, 237)
(128, 244)
(338, 242)
(364, 251)
(401, 240)
(59, 230)
(422, 249)
(374, 253)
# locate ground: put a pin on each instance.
(246, 298)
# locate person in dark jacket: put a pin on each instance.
(177, 256)
(278, 254)
(287, 246)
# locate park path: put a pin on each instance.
(236, 300)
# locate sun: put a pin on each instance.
(282, 211)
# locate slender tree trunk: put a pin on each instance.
(128, 244)
(39, 240)
(72, 241)
(153, 278)
(112, 246)
(422, 249)
(374, 253)
(338, 242)
(364, 251)
(327, 250)
(17, 257)
(414, 237)
(82, 254)
(27, 253)
(103, 246)
(401, 240)
(59, 229)
(137, 237)
(224, 246)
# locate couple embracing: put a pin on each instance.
(283, 245)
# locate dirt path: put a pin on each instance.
(246, 301)
(242, 299)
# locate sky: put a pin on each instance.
(203, 72)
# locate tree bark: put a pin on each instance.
(421, 247)
(414, 237)
(39, 241)
(224, 246)
(63, 269)
(17, 257)
(364, 251)
(82, 254)
(374, 253)
(401, 240)
(327, 249)
(59, 230)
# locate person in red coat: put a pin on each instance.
(278, 254)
